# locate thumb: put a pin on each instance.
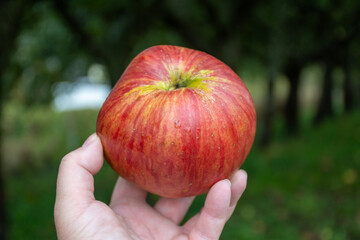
(75, 183)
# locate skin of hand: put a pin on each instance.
(79, 216)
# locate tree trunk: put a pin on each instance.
(275, 57)
(3, 214)
(325, 105)
(348, 93)
(292, 105)
(269, 110)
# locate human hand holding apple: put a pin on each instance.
(78, 215)
(177, 121)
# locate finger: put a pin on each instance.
(238, 185)
(126, 191)
(189, 225)
(213, 216)
(75, 183)
(174, 209)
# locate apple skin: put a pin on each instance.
(177, 121)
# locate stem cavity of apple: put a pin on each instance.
(181, 79)
(178, 79)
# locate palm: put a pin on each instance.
(125, 218)
(138, 213)
(132, 215)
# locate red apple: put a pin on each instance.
(177, 121)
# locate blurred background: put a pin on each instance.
(299, 59)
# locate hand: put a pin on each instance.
(79, 216)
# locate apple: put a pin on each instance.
(177, 121)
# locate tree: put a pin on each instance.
(11, 14)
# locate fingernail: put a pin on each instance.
(90, 140)
(243, 172)
(227, 181)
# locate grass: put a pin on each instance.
(301, 188)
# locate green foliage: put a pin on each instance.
(35, 140)
(303, 188)
(39, 59)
